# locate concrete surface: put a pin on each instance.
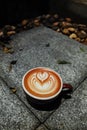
(42, 127)
(14, 115)
(72, 114)
(43, 47)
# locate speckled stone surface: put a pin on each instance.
(43, 47)
(14, 115)
(72, 114)
(42, 127)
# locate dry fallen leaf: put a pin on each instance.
(1, 33)
(82, 34)
(55, 23)
(71, 29)
(37, 22)
(85, 42)
(24, 22)
(13, 89)
(73, 36)
(65, 31)
(9, 33)
(68, 19)
(8, 50)
(66, 24)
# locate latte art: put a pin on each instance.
(42, 83)
(42, 76)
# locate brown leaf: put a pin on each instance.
(1, 33)
(24, 22)
(73, 36)
(8, 50)
(47, 16)
(66, 24)
(78, 39)
(71, 29)
(55, 23)
(37, 22)
(68, 19)
(13, 28)
(13, 89)
(65, 31)
(82, 34)
(9, 33)
(85, 42)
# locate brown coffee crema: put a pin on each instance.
(41, 82)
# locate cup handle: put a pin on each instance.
(67, 87)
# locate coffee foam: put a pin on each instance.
(42, 82)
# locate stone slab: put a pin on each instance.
(43, 47)
(14, 115)
(41, 127)
(72, 114)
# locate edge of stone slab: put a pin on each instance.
(14, 103)
(42, 27)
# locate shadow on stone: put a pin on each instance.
(49, 105)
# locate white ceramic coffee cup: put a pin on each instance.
(42, 100)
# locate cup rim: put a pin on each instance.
(37, 97)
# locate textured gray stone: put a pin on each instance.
(72, 114)
(13, 114)
(30, 51)
(42, 127)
